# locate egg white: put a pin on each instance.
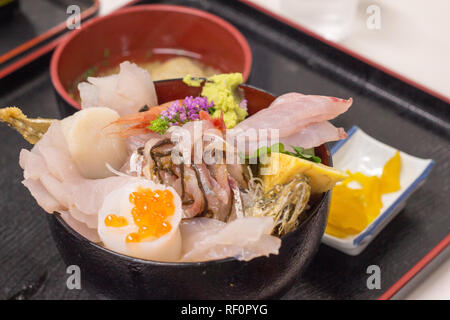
(165, 248)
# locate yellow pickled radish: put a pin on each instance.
(356, 202)
(390, 179)
(338, 232)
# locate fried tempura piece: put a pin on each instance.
(31, 129)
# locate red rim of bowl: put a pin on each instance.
(151, 7)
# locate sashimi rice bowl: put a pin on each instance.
(209, 176)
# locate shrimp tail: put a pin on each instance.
(137, 123)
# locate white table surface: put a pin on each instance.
(414, 41)
(106, 6)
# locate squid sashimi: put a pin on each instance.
(126, 92)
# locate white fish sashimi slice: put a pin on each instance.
(82, 198)
(54, 150)
(56, 188)
(293, 111)
(204, 239)
(125, 92)
(108, 82)
(52, 179)
(91, 221)
(314, 135)
(89, 233)
(306, 109)
(89, 94)
(108, 95)
(34, 163)
(136, 84)
(47, 201)
(102, 91)
(197, 229)
(266, 243)
(88, 195)
(311, 136)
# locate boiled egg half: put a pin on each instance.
(141, 219)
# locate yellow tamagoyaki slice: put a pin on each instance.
(279, 168)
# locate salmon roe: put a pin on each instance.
(151, 212)
(112, 220)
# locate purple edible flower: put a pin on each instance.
(182, 117)
(189, 110)
(243, 104)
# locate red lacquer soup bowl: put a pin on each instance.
(142, 32)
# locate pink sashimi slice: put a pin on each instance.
(314, 135)
(291, 112)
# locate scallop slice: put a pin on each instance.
(164, 248)
(91, 143)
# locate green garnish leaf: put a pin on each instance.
(290, 153)
(309, 151)
(159, 125)
(261, 152)
(277, 147)
(298, 150)
(257, 153)
(306, 154)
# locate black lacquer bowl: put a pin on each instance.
(111, 275)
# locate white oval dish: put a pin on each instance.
(360, 152)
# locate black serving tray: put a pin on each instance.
(284, 59)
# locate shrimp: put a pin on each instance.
(137, 123)
(218, 123)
